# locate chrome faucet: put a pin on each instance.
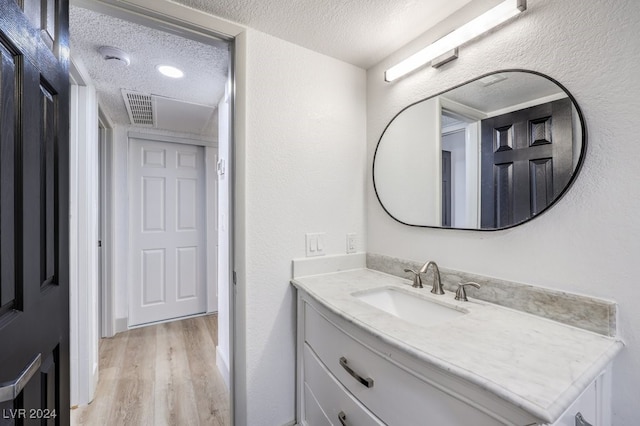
(461, 293)
(417, 281)
(436, 287)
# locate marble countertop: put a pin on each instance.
(537, 364)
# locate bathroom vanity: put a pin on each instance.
(374, 350)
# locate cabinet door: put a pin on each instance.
(337, 404)
(587, 405)
(397, 396)
(313, 414)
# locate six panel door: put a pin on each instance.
(527, 160)
(34, 215)
(167, 224)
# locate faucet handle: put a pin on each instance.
(417, 281)
(461, 293)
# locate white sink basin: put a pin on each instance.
(407, 306)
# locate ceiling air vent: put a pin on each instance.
(140, 108)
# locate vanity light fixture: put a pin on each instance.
(446, 48)
(169, 71)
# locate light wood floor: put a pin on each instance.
(163, 374)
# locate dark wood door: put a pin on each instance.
(527, 160)
(34, 217)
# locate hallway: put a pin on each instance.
(163, 374)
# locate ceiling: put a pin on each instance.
(500, 92)
(360, 32)
(188, 104)
(504, 90)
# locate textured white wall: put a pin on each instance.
(301, 150)
(589, 242)
(406, 161)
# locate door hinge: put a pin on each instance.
(235, 278)
(99, 243)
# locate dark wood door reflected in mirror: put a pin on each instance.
(490, 154)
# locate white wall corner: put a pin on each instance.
(223, 367)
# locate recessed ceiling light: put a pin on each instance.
(170, 71)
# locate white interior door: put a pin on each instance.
(167, 231)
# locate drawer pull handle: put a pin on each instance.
(368, 381)
(580, 421)
(343, 418)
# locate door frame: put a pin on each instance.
(107, 235)
(83, 234)
(470, 118)
(211, 212)
(181, 20)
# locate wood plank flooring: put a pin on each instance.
(163, 374)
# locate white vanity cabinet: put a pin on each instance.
(348, 376)
(594, 404)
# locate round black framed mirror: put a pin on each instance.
(489, 154)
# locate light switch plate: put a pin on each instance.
(315, 244)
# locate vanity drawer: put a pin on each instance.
(313, 414)
(396, 396)
(587, 404)
(330, 397)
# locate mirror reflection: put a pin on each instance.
(490, 154)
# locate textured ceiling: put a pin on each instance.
(360, 32)
(517, 88)
(205, 66)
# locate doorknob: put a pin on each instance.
(10, 390)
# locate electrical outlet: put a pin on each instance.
(315, 244)
(351, 243)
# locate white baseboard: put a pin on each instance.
(122, 324)
(222, 367)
